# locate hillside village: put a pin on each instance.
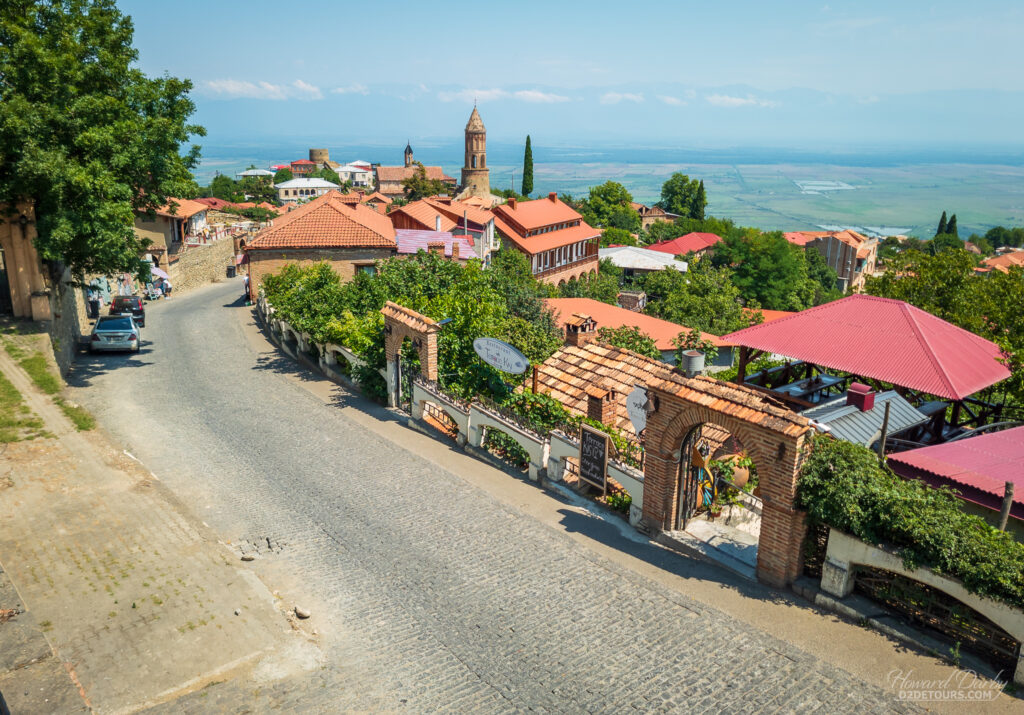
(357, 435)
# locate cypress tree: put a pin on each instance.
(951, 226)
(942, 225)
(528, 169)
(700, 202)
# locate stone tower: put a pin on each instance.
(476, 177)
(408, 154)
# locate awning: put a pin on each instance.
(158, 272)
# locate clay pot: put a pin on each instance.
(740, 475)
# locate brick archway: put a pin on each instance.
(774, 438)
(401, 323)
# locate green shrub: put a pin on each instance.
(843, 485)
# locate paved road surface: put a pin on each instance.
(427, 592)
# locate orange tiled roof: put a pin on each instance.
(850, 238)
(1005, 261)
(566, 376)
(547, 241)
(327, 222)
(377, 196)
(401, 173)
(538, 213)
(424, 214)
(612, 316)
(455, 210)
(181, 208)
(769, 315)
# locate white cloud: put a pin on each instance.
(241, 89)
(671, 101)
(725, 100)
(489, 95)
(535, 95)
(616, 97)
(351, 89)
(872, 99)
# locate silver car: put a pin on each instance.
(115, 332)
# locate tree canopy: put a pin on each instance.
(87, 137)
(703, 297)
(609, 206)
(767, 268)
(630, 337)
(283, 175)
(684, 196)
(418, 186)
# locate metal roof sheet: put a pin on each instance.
(884, 339)
(985, 462)
(849, 423)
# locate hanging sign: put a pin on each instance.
(636, 408)
(594, 457)
(500, 355)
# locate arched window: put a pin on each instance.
(473, 161)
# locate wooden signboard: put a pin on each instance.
(594, 457)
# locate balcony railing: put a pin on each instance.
(592, 258)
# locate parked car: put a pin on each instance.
(115, 332)
(129, 305)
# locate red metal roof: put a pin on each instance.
(884, 339)
(985, 463)
(691, 242)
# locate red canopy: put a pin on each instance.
(884, 339)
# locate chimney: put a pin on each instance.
(455, 249)
(860, 396)
(634, 300)
(580, 329)
(512, 204)
(601, 405)
(436, 247)
(437, 222)
(553, 197)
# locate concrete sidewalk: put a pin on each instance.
(122, 599)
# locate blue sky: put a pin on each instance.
(837, 74)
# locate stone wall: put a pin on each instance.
(202, 264)
(69, 322)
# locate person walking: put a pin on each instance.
(94, 303)
(167, 289)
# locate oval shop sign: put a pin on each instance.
(500, 355)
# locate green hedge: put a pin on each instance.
(844, 486)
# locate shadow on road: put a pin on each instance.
(88, 366)
(238, 302)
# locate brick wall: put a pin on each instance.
(343, 260)
(199, 265)
(777, 456)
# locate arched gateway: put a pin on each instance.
(773, 437)
(401, 323)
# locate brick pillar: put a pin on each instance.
(436, 247)
(428, 357)
(783, 527)
(455, 250)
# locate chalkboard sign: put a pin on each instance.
(594, 457)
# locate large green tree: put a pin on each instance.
(704, 297)
(951, 227)
(630, 337)
(418, 186)
(610, 206)
(528, 168)
(823, 276)
(942, 225)
(87, 137)
(767, 268)
(284, 174)
(683, 196)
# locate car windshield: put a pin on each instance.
(114, 324)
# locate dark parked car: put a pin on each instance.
(130, 305)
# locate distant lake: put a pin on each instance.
(773, 189)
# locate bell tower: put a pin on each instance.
(408, 154)
(476, 177)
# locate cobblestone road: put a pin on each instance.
(427, 592)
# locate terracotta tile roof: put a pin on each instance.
(802, 238)
(739, 401)
(547, 241)
(181, 208)
(213, 202)
(612, 316)
(409, 317)
(302, 162)
(455, 210)
(1005, 261)
(769, 315)
(691, 242)
(327, 222)
(401, 173)
(377, 196)
(567, 375)
(538, 213)
(425, 215)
